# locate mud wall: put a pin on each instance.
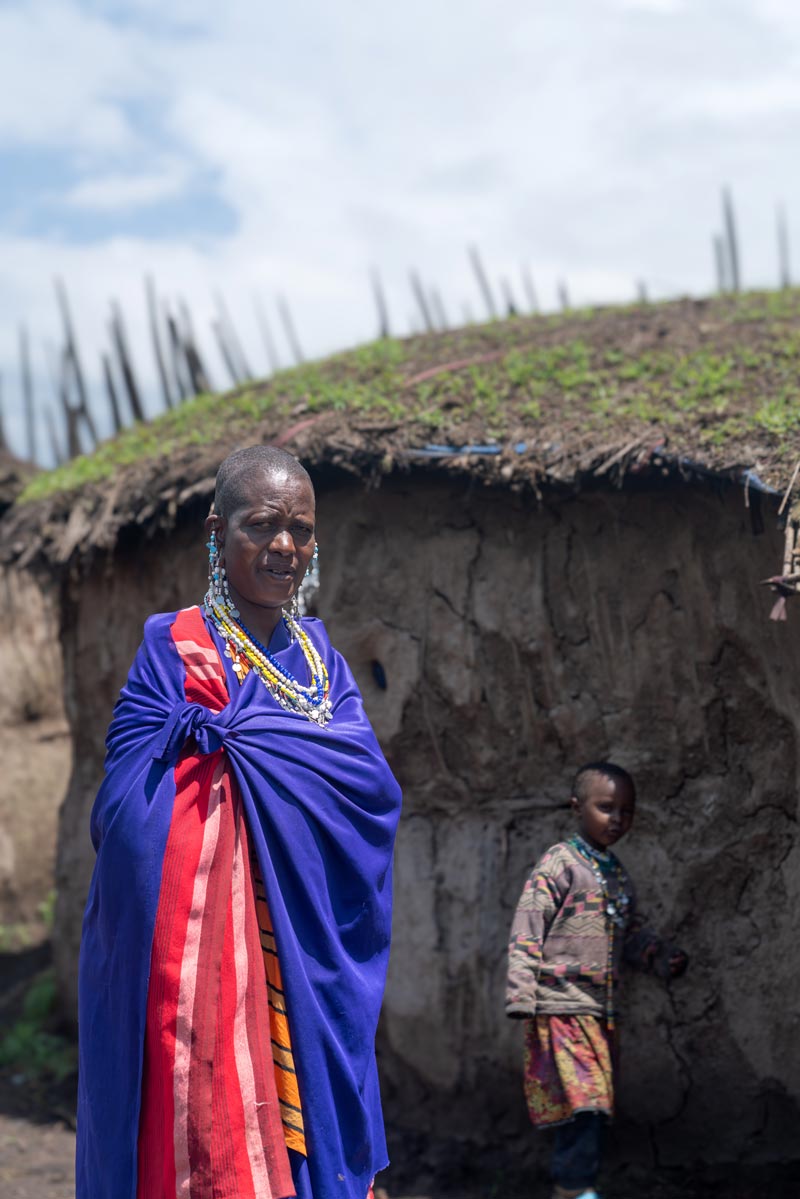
(516, 642)
(36, 752)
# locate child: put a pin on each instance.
(574, 923)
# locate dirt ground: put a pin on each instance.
(36, 1162)
(37, 1144)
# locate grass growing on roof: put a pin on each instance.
(710, 375)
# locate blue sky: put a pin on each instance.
(263, 149)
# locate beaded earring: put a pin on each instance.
(218, 590)
(307, 589)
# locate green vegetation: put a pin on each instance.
(707, 375)
(33, 1046)
(18, 936)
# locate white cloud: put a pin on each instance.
(109, 193)
(587, 139)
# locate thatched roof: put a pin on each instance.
(14, 476)
(586, 397)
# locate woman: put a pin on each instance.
(236, 934)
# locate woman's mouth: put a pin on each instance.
(281, 574)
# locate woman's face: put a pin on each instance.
(266, 545)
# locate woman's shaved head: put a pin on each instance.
(240, 468)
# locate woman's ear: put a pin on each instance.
(215, 524)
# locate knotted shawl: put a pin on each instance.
(320, 809)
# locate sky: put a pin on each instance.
(247, 151)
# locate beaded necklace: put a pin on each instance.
(605, 866)
(246, 651)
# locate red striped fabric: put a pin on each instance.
(210, 1125)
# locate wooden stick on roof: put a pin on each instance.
(720, 263)
(177, 357)
(483, 281)
(232, 338)
(422, 302)
(529, 289)
(784, 268)
(27, 393)
(71, 364)
(266, 336)
(225, 352)
(380, 303)
(56, 449)
(199, 378)
(111, 392)
(289, 329)
(125, 363)
(731, 238)
(437, 306)
(508, 296)
(155, 337)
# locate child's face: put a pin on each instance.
(606, 814)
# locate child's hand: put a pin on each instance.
(678, 961)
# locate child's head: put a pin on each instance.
(604, 799)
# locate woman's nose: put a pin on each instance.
(282, 542)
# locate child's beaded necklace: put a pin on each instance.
(605, 866)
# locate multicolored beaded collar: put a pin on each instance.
(247, 652)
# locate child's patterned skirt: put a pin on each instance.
(569, 1067)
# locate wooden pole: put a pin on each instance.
(289, 329)
(176, 355)
(529, 289)
(731, 238)
(483, 281)
(784, 267)
(508, 296)
(422, 302)
(59, 377)
(155, 336)
(380, 303)
(720, 264)
(111, 392)
(563, 295)
(199, 378)
(71, 414)
(124, 360)
(437, 307)
(27, 393)
(225, 352)
(232, 338)
(201, 384)
(56, 449)
(74, 363)
(266, 336)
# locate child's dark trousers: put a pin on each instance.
(576, 1154)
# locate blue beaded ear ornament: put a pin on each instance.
(218, 591)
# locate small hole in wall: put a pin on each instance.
(378, 674)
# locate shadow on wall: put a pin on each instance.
(498, 644)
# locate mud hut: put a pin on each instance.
(34, 731)
(542, 541)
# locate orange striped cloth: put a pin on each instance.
(282, 1057)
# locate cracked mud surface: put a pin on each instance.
(518, 641)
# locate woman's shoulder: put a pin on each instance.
(160, 628)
